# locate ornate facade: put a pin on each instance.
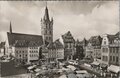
(69, 45)
(94, 47)
(110, 49)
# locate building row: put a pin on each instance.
(105, 48)
(27, 48)
(110, 49)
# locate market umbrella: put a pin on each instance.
(37, 70)
(71, 67)
(63, 76)
(80, 75)
(32, 67)
(71, 76)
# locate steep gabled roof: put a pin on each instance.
(21, 43)
(58, 44)
(67, 37)
(51, 46)
(55, 45)
(117, 34)
(19, 39)
(95, 40)
(111, 38)
(84, 42)
(2, 44)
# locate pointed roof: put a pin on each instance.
(23, 40)
(84, 42)
(51, 46)
(111, 38)
(67, 37)
(46, 16)
(58, 44)
(2, 44)
(117, 34)
(95, 40)
(10, 27)
(55, 45)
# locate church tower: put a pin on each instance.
(10, 27)
(47, 28)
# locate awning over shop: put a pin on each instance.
(31, 67)
(63, 76)
(80, 76)
(84, 75)
(81, 72)
(103, 65)
(61, 64)
(60, 70)
(87, 65)
(37, 74)
(52, 62)
(37, 69)
(95, 63)
(72, 76)
(41, 72)
(65, 69)
(114, 68)
(71, 67)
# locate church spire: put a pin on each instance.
(46, 16)
(10, 27)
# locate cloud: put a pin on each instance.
(83, 19)
(102, 19)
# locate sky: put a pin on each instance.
(82, 18)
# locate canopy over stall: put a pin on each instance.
(81, 72)
(32, 67)
(71, 67)
(114, 68)
(95, 63)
